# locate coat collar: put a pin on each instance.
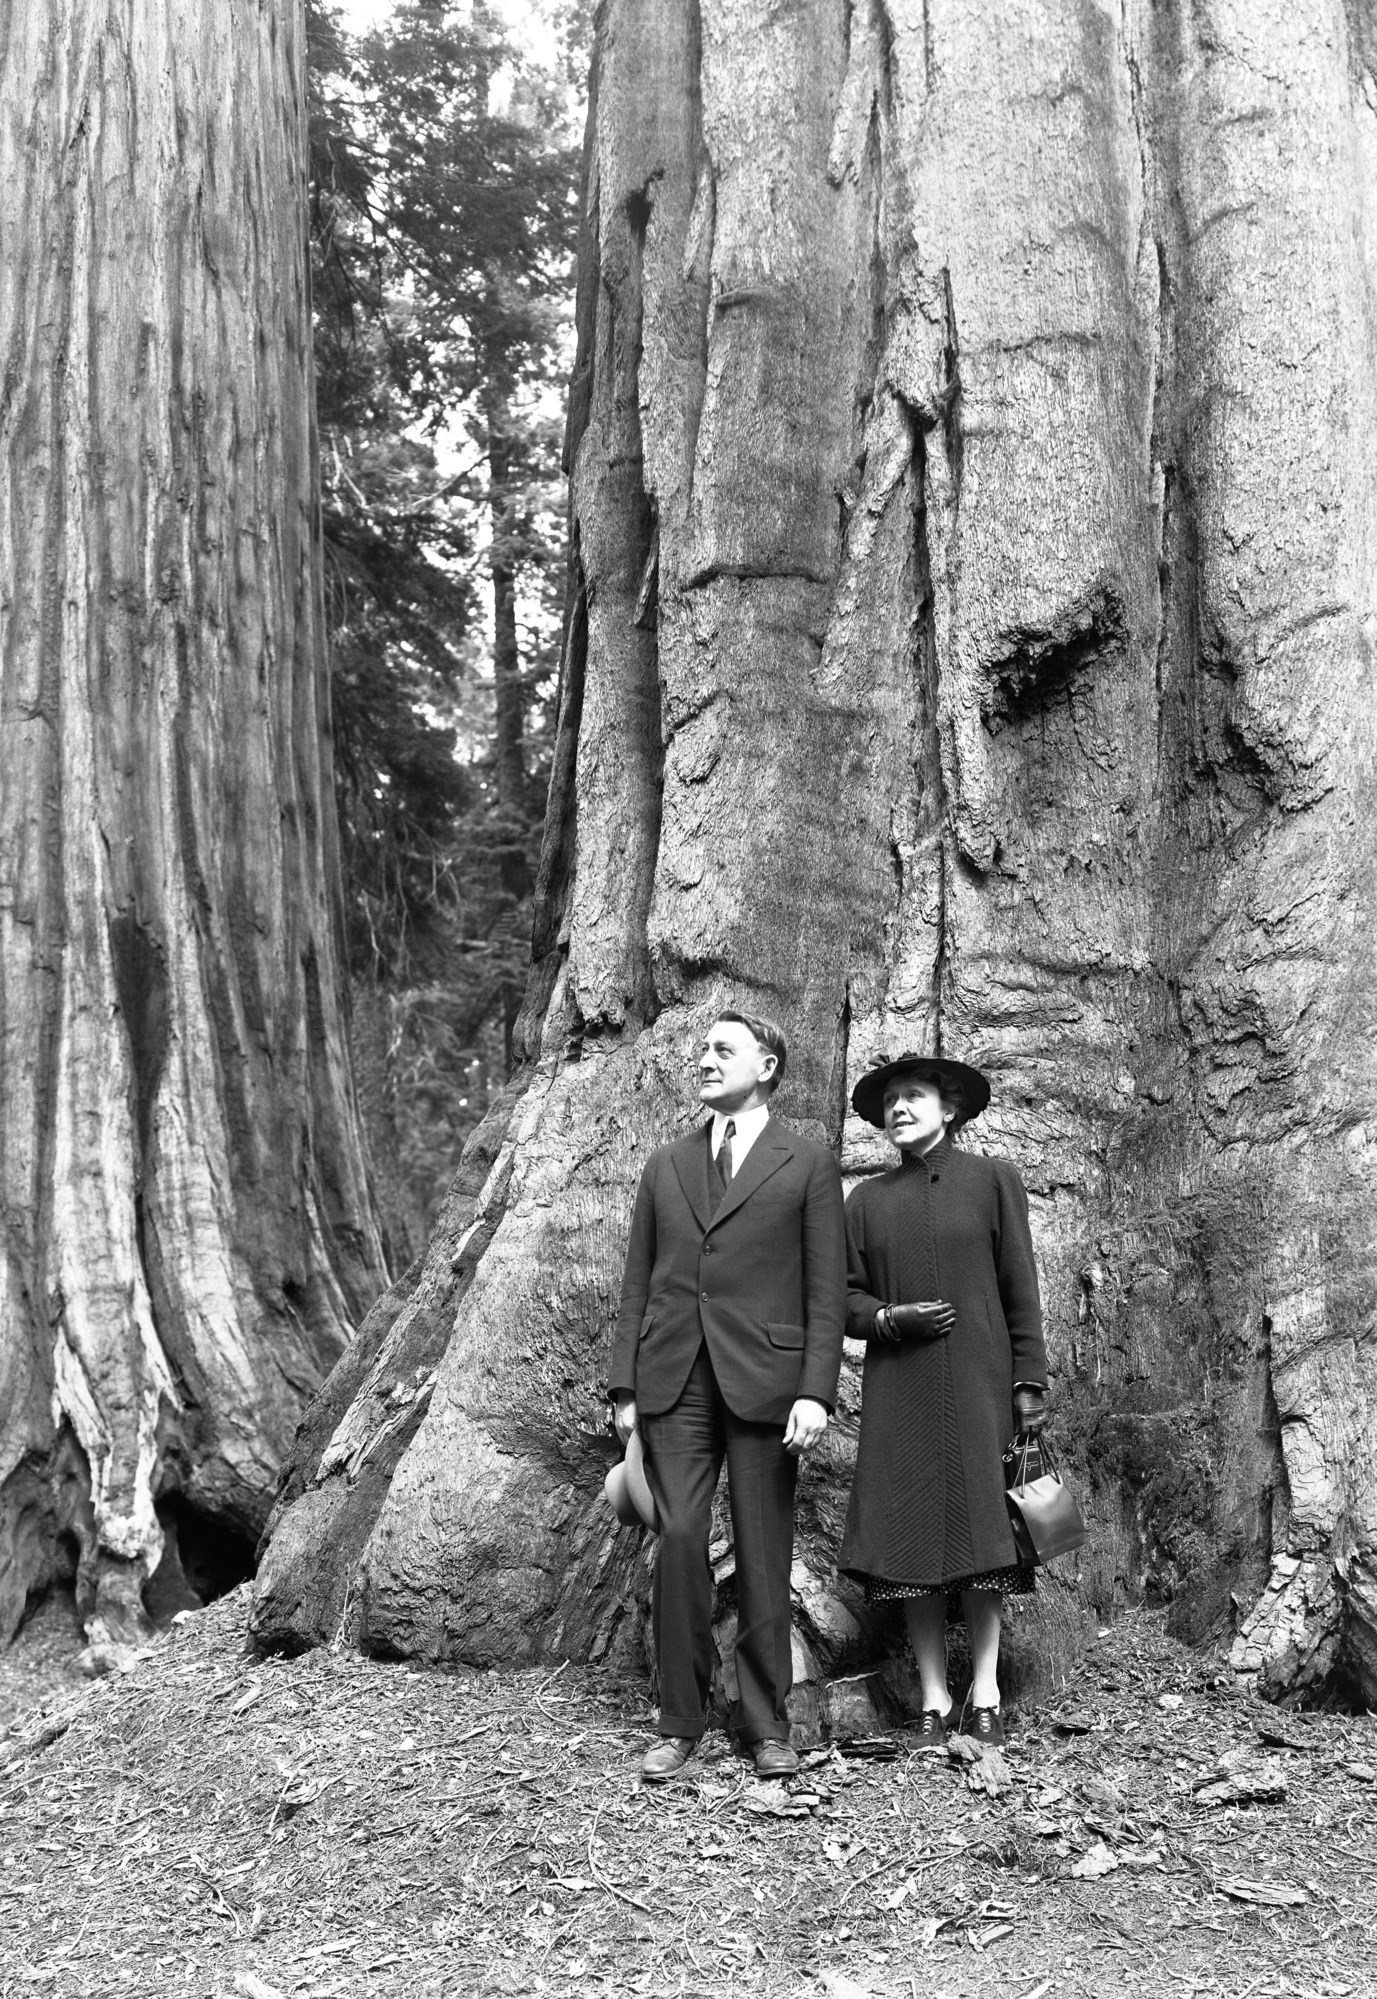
(691, 1161)
(929, 1162)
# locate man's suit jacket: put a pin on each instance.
(763, 1280)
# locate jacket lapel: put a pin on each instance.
(765, 1157)
(690, 1157)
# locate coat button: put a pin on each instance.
(704, 1296)
(707, 1249)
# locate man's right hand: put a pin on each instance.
(927, 1321)
(624, 1422)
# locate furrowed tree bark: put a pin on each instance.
(970, 648)
(188, 1233)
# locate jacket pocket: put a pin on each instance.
(791, 1337)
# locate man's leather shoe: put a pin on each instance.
(932, 1730)
(775, 1759)
(667, 1758)
(984, 1724)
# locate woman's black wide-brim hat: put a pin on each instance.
(957, 1080)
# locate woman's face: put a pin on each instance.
(913, 1112)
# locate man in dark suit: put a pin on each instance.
(728, 1345)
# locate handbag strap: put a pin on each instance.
(1026, 1441)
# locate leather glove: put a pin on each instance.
(929, 1321)
(1030, 1407)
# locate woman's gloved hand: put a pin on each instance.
(927, 1321)
(1030, 1407)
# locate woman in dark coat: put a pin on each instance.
(943, 1289)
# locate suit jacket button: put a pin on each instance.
(704, 1296)
(707, 1249)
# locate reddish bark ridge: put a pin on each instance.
(188, 1234)
(970, 646)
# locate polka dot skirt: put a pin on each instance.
(1016, 1580)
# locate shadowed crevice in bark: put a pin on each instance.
(951, 395)
(745, 572)
(609, 753)
(554, 872)
(1036, 671)
(140, 970)
(933, 813)
(554, 876)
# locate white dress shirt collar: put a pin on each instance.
(749, 1125)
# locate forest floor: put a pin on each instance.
(331, 1826)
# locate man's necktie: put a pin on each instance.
(724, 1157)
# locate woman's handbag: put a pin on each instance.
(1045, 1518)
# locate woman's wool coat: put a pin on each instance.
(927, 1502)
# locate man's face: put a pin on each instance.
(913, 1110)
(733, 1068)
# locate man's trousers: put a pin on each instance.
(684, 1452)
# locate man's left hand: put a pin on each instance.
(807, 1421)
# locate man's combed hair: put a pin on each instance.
(770, 1035)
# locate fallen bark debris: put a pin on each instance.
(1238, 1779)
(984, 1765)
(1272, 1894)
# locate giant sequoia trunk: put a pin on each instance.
(973, 457)
(188, 1235)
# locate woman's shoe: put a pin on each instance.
(985, 1725)
(933, 1729)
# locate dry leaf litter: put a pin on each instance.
(208, 1824)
